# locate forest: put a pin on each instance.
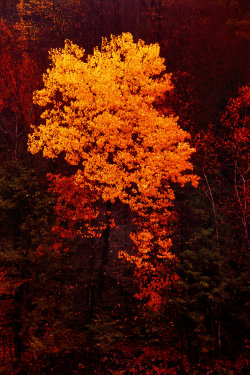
(124, 130)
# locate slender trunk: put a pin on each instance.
(10, 348)
(90, 300)
(105, 252)
(17, 325)
(219, 335)
(211, 198)
(117, 17)
(18, 297)
(91, 284)
(3, 341)
(242, 202)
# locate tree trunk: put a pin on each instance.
(105, 252)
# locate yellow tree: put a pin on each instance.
(100, 111)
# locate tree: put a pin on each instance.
(26, 212)
(19, 75)
(101, 113)
(49, 17)
(214, 256)
(235, 123)
(52, 21)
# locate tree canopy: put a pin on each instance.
(100, 111)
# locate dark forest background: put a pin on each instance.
(57, 315)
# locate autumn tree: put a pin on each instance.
(100, 112)
(212, 308)
(52, 21)
(42, 19)
(19, 75)
(235, 125)
(26, 212)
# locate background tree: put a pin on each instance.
(19, 75)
